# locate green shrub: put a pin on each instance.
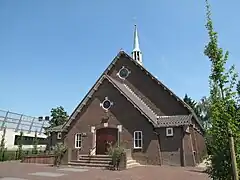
(59, 150)
(116, 154)
(9, 155)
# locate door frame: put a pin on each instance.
(105, 134)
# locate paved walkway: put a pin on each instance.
(20, 171)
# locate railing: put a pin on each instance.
(20, 122)
(92, 151)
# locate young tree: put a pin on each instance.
(222, 109)
(35, 144)
(2, 144)
(20, 144)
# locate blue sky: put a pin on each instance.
(52, 51)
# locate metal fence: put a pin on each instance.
(21, 122)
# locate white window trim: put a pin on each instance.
(75, 139)
(123, 78)
(59, 135)
(134, 138)
(169, 134)
(102, 104)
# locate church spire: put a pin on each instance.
(136, 53)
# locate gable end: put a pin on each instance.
(166, 89)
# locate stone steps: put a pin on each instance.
(89, 165)
(132, 163)
(99, 161)
(91, 161)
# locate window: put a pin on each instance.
(138, 141)
(106, 104)
(78, 140)
(59, 135)
(169, 132)
(123, 73)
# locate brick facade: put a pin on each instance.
(182, 149)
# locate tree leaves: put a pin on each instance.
(58, 116)
(201, 109)
(222, 107)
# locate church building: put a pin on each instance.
(128, 106)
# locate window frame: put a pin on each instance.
(137, 139)
(59, 135)
(76, 140)
(169, 134)
(128, 73)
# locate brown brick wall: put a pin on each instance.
(170, 147)
(122, 112)
(163, 102)
(188, 150)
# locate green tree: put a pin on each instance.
(190, 101)
(201, 109)
(193, 104)
(2, 144)
(59, 150)
(58, 116)
(35, 144)
(238, 88)
(20, 144)
(204, 109)
(222, 107)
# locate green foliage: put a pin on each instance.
(201, 109)
(190, 102)
(58, 117)
(204, 108)
(193, 104)
(2, 144)
(222, 107)
(59, 150)
(35, 144)
(238, 88)
(116, 153)
(20, 144)
(8, 155)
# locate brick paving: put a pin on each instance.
(14, 170)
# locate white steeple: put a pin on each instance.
(136, 53)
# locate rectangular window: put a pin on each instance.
(78, 140)
(169, 132)
(138, 139)
(59, 135)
